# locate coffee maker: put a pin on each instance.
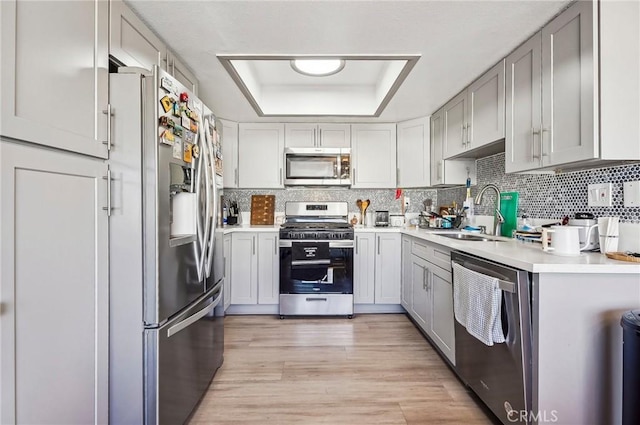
(588, 230)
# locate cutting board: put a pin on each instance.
(509, 210)
(262, 209)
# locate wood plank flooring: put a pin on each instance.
(373, 369)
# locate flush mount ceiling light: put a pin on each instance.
(281, 86)
(317, 67)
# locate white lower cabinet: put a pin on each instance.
(54, 287)
(377, 268)
(255, 269)
(427, 283)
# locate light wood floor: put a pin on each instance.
(373, 369)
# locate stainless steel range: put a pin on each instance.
(316, 260)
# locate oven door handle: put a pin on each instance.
(287, 243)
(309, 262)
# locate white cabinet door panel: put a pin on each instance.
(227, 271)
(568, 86)
(388, 268)
(55, 73)
(523, 142)
(300, 135)
(442, 319)
(260, 155)
(373, 156)
(244, 268)
(419, 276)
(414, 153)
(132, 43)
(229, 153)
(183, 74)
(54, 287)
(268, 269)
(454, 138)
(486, 108)
(364, 268)
(407, 289)
(334, 135)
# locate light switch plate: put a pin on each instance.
(599, 195)
(632, 194)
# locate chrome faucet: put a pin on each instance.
(498, 219)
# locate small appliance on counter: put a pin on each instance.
(588, 230)
(382, 219)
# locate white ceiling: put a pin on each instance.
(457, 41)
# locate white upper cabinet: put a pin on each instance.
(447, 172)
(260, 155)
(455, 124)
(568, 87)
(131, 42)
(475, 117)
(523, 141)
(485, 116)
(414, 153)
(373, 156)
(182, 73)
(229, 153)
(303, 135)
(573, 93)
(55, 73)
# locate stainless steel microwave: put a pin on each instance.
(317, 166)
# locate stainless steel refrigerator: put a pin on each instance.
(166, 262)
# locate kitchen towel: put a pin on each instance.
(477, 303)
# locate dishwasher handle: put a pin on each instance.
(505, 285)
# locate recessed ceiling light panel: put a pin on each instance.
(317, 67)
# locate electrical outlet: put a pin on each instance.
(599, 195)
(632, 194)
(407, 202)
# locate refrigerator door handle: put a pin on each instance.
(198, 244)
(194, 317)
(206, 248)
(210, 200)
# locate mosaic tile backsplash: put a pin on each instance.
(381, 199)
(550, 195)
(547, 196)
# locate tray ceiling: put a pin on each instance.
(455, 40)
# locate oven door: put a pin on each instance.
(316, 267)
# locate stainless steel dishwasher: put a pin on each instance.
(499, 374)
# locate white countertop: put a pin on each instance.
(522, 255)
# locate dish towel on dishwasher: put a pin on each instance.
(477, 304)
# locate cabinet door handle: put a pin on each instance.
(424, 280)
(544, 131)
(440, 170)
(235, 178)
(356, 245)
(108, 179)
(319, 137)
(534, 133)
(468, 134)
(280, 176)
(109, 114)
(275, 246)
(315, 139)
(378, 245)
(462, 128)
(253, 245)
(397, 176)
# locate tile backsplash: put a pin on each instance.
(540, 195)
(550, 195)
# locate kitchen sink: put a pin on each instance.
(468, 237)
